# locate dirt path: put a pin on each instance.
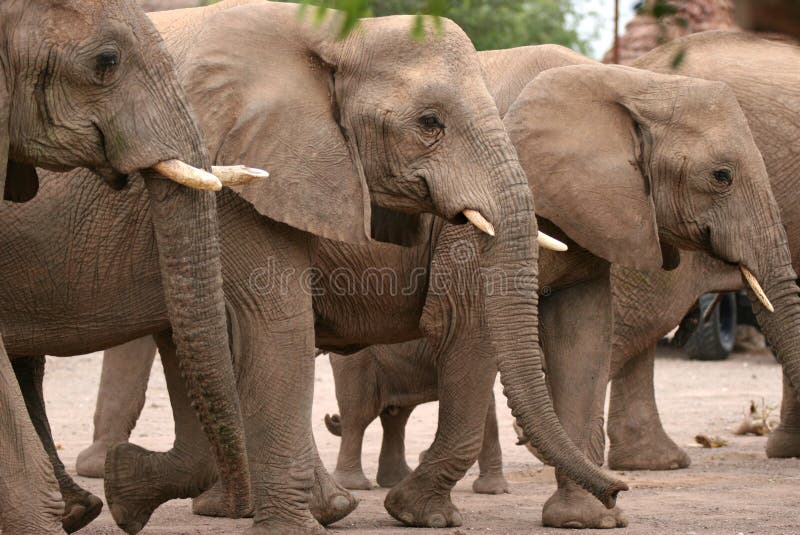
(728, 490)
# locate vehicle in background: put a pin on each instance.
(715, 338)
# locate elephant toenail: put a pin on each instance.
(456, 519)
(608, 522)
(407, 518)
(437, 520)
(573, 524)
(340, 502)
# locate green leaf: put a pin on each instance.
(678, 59)
(491, 24)
(418, 30)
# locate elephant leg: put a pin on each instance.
(358, 407)
(349, 472)
(271, 323)
(392, 466)
(30, 501)
(137, 481)
(490, 460)
(638, 440)
(80, 506)
(279, 440)
(784, 441)
(576, 339)
(120, 399)
(465, 380)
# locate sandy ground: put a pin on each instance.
(727, 490)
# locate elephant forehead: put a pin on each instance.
(68, 19)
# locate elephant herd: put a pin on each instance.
(396, 228)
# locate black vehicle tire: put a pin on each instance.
(715, 339)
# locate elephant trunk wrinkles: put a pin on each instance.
(512, 320)
(782, 327)
(187, 235)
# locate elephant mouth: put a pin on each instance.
(112, 178)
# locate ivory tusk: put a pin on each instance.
(479, 221)
(756, 287)
(188, 176)
(237, 175)
(549, 242)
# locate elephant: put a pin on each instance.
(386, 381)
(637, 439)
(376, 130)
(764, 75)
(617, 174)
(89, 84)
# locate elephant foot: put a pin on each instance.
(573, 507)
(390, 473)
(416, 502)
(355, 480)
(277, 527)
(647, 451)
(80, 508)
(131, 486)
(783, 443)
(330, 502)
(212, 503)
(491, 484)
(92, 461)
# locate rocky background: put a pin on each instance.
(647, 31)
(660, 21)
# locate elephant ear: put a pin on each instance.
(18, 182)
(399, 228)
(275, 108)
(22, 182)
(585, 149)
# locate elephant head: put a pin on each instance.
(633, 165)
(88, 83)
(378, 118)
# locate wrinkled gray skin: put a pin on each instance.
(89, 84)
(559, 123)
(409, 126)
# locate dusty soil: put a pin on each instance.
(733, 490)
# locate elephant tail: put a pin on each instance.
(334, 424)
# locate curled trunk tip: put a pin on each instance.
(609, 497)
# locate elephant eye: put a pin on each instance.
(431, 123)
(723, 176)
(105, 63)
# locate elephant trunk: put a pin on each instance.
(187, 236)
(512, 320)
(781, 327)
